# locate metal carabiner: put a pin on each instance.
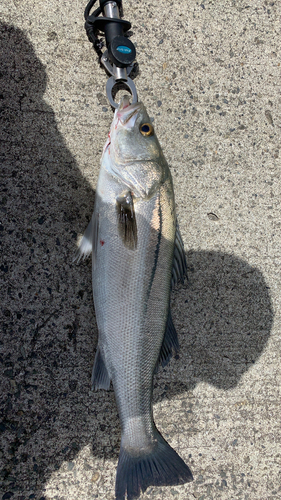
(111, 82)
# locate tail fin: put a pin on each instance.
(162, 467)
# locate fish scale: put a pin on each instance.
(132, 237)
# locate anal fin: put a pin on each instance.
(100, 377)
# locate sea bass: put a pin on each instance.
(138, 255)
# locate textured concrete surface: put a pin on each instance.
(210, 78)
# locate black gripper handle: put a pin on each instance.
(121, 51)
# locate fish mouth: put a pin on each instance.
(126, 111)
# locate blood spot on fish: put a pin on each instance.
(102, 242)
(106, 147)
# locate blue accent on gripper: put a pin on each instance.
(123, 49)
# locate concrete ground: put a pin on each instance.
(210, 78)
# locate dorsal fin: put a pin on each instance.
(170, 343)
(179, 265)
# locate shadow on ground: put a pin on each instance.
(223, 316)
(223, 313)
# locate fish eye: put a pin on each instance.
(146, 129)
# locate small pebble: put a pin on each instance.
(95, 477)
(212, 216)
(268, 116)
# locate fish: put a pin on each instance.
(137, 257)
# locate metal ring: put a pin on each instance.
(128, 83)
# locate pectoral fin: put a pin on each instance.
(127, 224)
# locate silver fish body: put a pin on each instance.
(132, 237)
